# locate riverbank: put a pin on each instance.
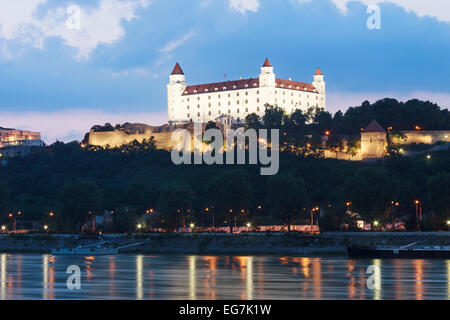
(333, 243)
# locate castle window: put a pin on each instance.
(229, 95)
(237, 110)
(198, 114)
(292, 94)
(187, 99)
(237, 94)
(209, 97)
(198, 98)
(284, 93)
(209, 105)
(246, 93)
(257, 108)
(229, 103)
(246, 101)
(198, 106)
(188, 115)
(229, 111)
(237, 102)
(257, 99)
(209, 113)
(219, 96)
(188, 107)
(246, 109)
(257, 92)
(276, 100)
(219, 104)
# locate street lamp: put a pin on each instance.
(418, 211)
(12, 216)
(191, 226)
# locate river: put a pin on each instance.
(43, 276)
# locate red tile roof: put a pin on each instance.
(267, 63)
(318, 72)
(177, 70)
(295, 85)
(247, 84)
(222, 86)
(374, 126)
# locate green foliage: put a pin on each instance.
(175, 200)
(288, 197)
(371, 191)
(124, 220)
(77, 199)
(439, 194)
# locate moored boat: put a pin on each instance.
(411, 251)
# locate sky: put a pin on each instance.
(67, 65)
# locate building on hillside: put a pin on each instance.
(373, 141)
(15, 143)
(238, 98)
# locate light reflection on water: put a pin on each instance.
(33, 276)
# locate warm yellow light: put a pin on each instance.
(51, 214)
(375, 223)
(4, 227)
(401, 150)
(417, 202)
(45, 227)
(192, 225)
(139, 226)
(428, 156)
(448, 222)
(249, 224)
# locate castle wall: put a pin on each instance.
(119, 138)
(426, 137)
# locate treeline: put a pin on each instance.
(75, 182)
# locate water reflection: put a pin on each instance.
(3, 275)
(222, 277)
(139, 279)
(192, 277)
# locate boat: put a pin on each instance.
(96, 249)
(85, 251)
(411, 251)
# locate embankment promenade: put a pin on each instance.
(328, 243)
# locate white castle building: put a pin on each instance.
(236, 99)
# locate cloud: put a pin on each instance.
(95, 26)
(439, 9)
(169, 47)
(343, 100)
(68, 125)
(244, 5)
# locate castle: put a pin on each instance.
(237, 99)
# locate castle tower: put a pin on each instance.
(175, 89)
(318, 83)
(373, 141)
(267, 77)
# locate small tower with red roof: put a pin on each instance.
(175, 90)
(267, 77)
(318, 82)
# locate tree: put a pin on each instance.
(439, 195)
(288, 197)
(124, 220)
(175, 200)
(4, 200)
(78, 199)
(253, 121)
(231, 193)
(353, 145)
(211, 125)
(273, 117)
(371, 191)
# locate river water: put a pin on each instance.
(37, 276)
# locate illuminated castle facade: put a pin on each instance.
(236, 99)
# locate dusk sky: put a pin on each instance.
(115, 66)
